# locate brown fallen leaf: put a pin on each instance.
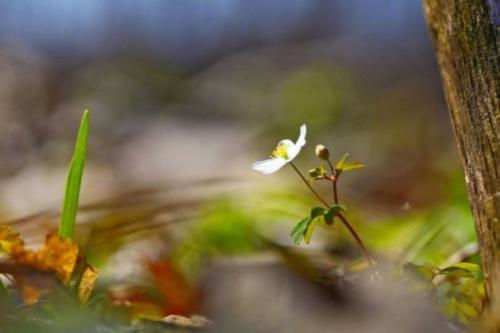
(57, 255)
(175, 295)
(178, 295)
(38, 271)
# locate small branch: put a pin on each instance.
(334, 179)
(349, 226)
(335, 193)
(358, 239)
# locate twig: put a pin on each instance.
(349, 226)
(334, 179)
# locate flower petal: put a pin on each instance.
(301, 141)
(294, 148)
(269, 166)
(293, 151)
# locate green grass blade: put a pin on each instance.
(3, 292)
(73, 182)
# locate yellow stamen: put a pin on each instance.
(280, 151)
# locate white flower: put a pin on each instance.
(285, 152)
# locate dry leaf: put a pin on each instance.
(57, 256)
(9, 240)
(87, 283)
(179, 297)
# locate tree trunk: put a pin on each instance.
(466, 39)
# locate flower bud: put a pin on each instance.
(322, 152)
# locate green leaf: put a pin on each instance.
(352, 166)
(299, 230)
(322, 170)
(340, 163)
(304, 229)
(343, 165)
(462, 269)
(310, 228)
(466, 265)
(332, 212)
(314, 173)
(317, 211)
(467, 309)
(73, 182)
(329, 216)
(420, 272)
(317, 173)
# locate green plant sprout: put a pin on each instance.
(74, 180)
(284, 153)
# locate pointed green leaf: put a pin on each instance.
(332, 212)
(73, 182)
(463, 269)
(329, 216)
(352, 166)
(465, 265)
(341, 207)
(419, 271)
(340, 163)
(317, 211)
(303, 228)
(310, 228)
(299, 230)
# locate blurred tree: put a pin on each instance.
(466, 38)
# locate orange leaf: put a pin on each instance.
(57, 256)
(179, 296)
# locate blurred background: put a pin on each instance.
(183, 90)
(185, 95)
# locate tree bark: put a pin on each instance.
(466, 40)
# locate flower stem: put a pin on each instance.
(346, 223)
(334, 183)
(358, 239)
(309, 185)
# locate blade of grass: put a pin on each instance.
(73, 182)
(3, 292)
(428, 233)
